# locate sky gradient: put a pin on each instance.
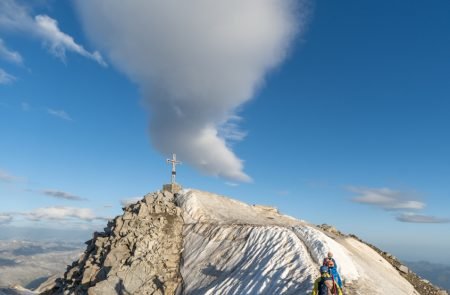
(350, 129)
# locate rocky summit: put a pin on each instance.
(194, 242)
(138, 253)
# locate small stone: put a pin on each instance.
(403, 269)
(157, 209)
(127, 216)
(143, 211)
(168, 195)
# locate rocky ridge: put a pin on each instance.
(138, 253)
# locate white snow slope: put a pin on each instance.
(234, 248)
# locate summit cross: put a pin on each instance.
(174, 162)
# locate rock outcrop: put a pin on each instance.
(138, 253)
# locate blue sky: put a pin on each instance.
(350, 129)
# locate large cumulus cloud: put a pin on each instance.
(196, 62)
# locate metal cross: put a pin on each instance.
(174, 162)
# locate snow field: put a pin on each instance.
(231, 248)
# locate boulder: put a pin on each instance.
(404, 269)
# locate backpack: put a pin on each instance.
(326, 259)
(323, 289)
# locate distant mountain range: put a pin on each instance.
(29, 263)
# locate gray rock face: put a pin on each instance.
(139, 253)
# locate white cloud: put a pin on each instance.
(230, 130)
(62, 195)
(129, 201)
(196, 63)
(418, 218)
(15, 17)
(5, 218)
(6, 78)
(60, 114)
(233, 184)
(61, 213)
(59, 42)
(386, 198)
(7, 177)
(9, 55)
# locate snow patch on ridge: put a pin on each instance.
(320, 244)
(201, 206)
(245, 260)
(234, 248)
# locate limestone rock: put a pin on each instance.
(172, 188)
(330, 229)
(139, 253)
(403, 269)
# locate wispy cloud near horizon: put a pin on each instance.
(58, 194)
(7, 177)
(394, 200)
(420, 218)
(9, 55)
(52, 213)
(59, 114)
(60, 213)
(5, 218)
(6, 78)
(386, 198)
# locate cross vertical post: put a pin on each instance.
(174, 162)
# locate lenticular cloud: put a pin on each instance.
(196, 62)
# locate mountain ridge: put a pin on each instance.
(221, 246)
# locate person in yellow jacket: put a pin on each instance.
(325, 285)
